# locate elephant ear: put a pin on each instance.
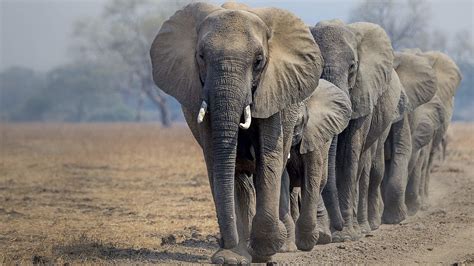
(294, 63)
(417, 77)
(447, 73)
(236, 6)
(329, 112)
(402, 107)
(175, 70)
(375, 56)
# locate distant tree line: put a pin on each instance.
(76, 92)
(109, 76)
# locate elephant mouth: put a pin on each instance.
(247, 115)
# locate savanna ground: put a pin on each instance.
(139, 193)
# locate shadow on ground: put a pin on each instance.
(87, 250)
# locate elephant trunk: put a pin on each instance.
(329, 193)
(226, 105)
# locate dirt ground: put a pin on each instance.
(138, 193)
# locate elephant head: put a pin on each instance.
(236, 63)
(417, 76)
(448, 77)
(329, 111)
(357, 57)
(447, 73)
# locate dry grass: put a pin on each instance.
(113, 193)
(100, 191)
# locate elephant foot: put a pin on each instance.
(324, 231)
(394, 215)
(358, 232)
(413, 206)
(288, 246)
(365, 228)
(266, 240)
(375, 217)
(236, 255)
(305, 241)
(374, 221)
(374, 224)
(346, 234)
(324, 236)
(424, 206)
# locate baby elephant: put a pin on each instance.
(325, 114)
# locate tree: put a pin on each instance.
(405, 22)
(17, 85)
(120, 39)
(462, 49)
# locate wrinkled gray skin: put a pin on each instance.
(325, 114)
(232, 57)
(428, 126)
(418, 79)
(358, 58)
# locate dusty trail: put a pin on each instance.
(106, 193)
(442, 234)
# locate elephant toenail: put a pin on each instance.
(219, 260)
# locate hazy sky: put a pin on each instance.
(36, 33)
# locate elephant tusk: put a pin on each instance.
(247, 117)
(202, 112)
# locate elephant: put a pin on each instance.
(441, 151)
(428, 126)
(359, 58)
(241, 76)
(418, 80)
(325, 114)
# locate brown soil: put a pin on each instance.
(139, 193)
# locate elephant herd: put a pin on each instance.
(310, 135)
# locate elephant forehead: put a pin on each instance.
(335, 40)
(230, 27)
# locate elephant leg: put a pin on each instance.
(245, 209)
(285, 215)
(362, 211)
(377, 170)
(295, 195)
(268, 233)
(425, 169)
(412, 199)
(395, 182)
(306, 231)
(330, 194)
(350, 144)
(323, 224)
(376, 174)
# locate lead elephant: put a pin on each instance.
(232, 67)
(358, 58)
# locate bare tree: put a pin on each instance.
(121, 38)
(462, 48)
(406, 22)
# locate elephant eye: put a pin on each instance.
(353, 66)
(258, 64)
